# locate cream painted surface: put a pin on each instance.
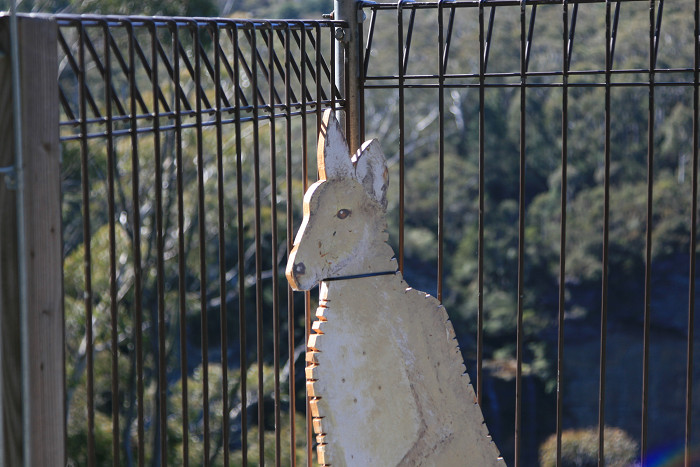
(389, 380)
(385, 375)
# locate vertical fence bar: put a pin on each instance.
(201, 208)
(31, 289)
(317, 51)
(348, 54)
(223, 319)
(361, 70)
(304, 135)
(3, 320)
(606, 227)
(562, 227)
(649, 226)
(333, 84)
(11, 449)
(480, 241)
(162, 392)
(87, 258)
(273, 224)
(22, 308)
(352, 129)
(489, 33)
(693, 243)
(113, 300)
(181, 255)
(402, 132)
(290, 237)
(368, 51)
(305, 179)
(136, 246)
(318, 110)
(441, 147)
(240, 248)
(521, 239)
(258, 243)
(160, 254)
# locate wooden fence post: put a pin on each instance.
(35, 409)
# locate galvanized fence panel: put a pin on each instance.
(482, 66)
(185, 144)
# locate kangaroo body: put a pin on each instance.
(385, 375)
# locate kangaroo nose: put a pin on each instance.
(299, 268)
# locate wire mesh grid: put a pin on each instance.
(522, 96)
(609, 194)
(185, 147)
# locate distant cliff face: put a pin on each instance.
(624, 367)
(623, 395)
(624, 359)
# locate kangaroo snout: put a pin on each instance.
(295, 272)
(299, 269)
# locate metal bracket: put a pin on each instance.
(341, 35)
(361, 15)
(10, 177)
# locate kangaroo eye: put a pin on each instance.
(343, 213)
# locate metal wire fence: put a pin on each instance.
(185, 144)
(608, 77)
(185, 148)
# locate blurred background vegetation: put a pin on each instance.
(672, 178)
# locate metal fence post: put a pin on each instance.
(347, 69)
(31, 321)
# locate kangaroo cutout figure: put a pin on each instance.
(384, 373)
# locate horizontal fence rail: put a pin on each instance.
(558, 140)
(185, 144)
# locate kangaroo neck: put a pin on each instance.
(375, 258)
(360, 276)
(361, 282)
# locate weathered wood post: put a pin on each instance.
(31, 269)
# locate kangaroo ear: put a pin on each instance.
(333, 155)
(371, 170)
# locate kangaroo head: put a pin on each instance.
(343, 230)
